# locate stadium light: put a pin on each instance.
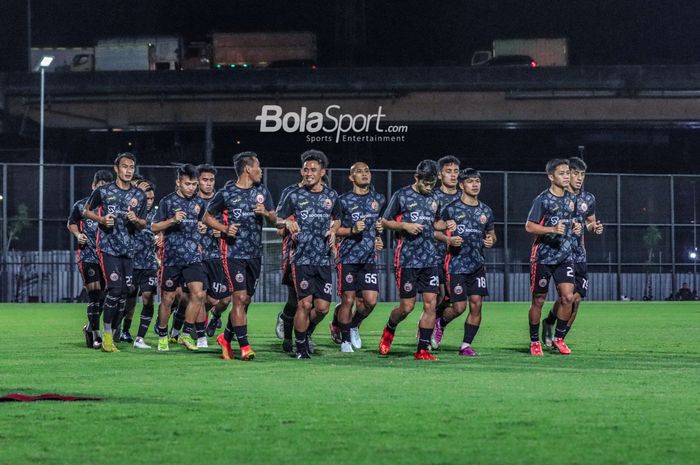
(43, 64)
(693, 255)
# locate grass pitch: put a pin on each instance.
(628, 394)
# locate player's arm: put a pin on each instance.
(73, 220)
(137, 219)
(284, 212)
(266, 209)
(490, 238)
(92, 205)
(393, 211)
(594, 225)
(533, 226)
(163, 219)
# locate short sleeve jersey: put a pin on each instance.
(409, 206)
(236, 206)
(287, 244)
(145, 253)
(549, 210)
(585, 208)
(87, 253)
(443, 199)
(359, 248)
(210, 244)
(314, 212)
(117, 240)
(473, 221)
(181, 240)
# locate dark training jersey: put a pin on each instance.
(549, 210)
(585, 208)
(408, 206)
(144, 252)
(181, 241)
(117, 240)
(359, 248)
(287, 244)
(87, 253)
(314, 212)
(473, 222)
(443, 200)
(236, 205)
(210, 244)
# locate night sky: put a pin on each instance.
(383, 32)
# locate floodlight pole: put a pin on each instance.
(695, 240)
(41, 183)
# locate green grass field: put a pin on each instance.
(628, 394)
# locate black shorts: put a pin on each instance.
(463, 285)
(146, 280)
(442, 275)
(175, 276)
(91, 273)
(413, 280)
(313, 280)
(581, 275)
(287, 278)
(357, 277)
(540, 275)
(118, 272)
(243, 274)
(217, 283)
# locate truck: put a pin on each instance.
(261, 49)
(546, 52)
(138, 53)
(65, 58)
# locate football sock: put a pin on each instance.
(357, 318)
(535, 332)
(560, 331)
(391, 326)
(145, 321)
(344, 331)
(127, 324)
(188, 329)
(179, 316)
(568, 328)
(300, 339)
(424, 338)
(551, 318)
(241, 333)
(228, 331)
(469, 332)
(200, 329)
(111, 307)
(440, 309)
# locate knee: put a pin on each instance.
(370, 304)
(567, 298)
(348, 299)
(538, 300)
(198, 296)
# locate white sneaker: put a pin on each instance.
(346, 347)
(279, 327)
(202, 343)
(355, 338)
(139, 343)
(312, 345)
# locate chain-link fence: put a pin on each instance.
(648, 250)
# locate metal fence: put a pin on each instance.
(648, 249)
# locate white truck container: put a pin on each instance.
(138, 53)
(546, 52)
(65, 58)
(259, 49)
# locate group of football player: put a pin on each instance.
(200, 250)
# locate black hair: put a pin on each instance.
(576, 163)
(467, 173)
(151, 186)
(448, 160)
(552, 164)
(206, 168)
(127, 155)
(427, 170)
(315, 155)
(243, 159)
(137, 177)
(187, 170)
(103, 176)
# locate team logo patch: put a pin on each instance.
(483, 219)
(133, 202)
(407, 287)
(91, 272)
(223, 288)
(260, 198)
(374, 205)
(458, 289)
(571, 206)
(239, 277)
(433, 206)
(304, 284)
(114, 276)
(584, 207)
(348, 279)
(169, 282)
(196, 209)
(543, 282)
(327, 204)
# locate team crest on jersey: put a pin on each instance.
(260, 198)
(483, 219)
(133, 202)
(543, 282)
(407, 287)
(433, 206)
(197, 208)
(239, 277)
(169, 283)
(458, 290)
(114, 276)
(584, 207)
(348, 279)
(304, 284)
(374, 205)
(572, 207)
(91, 272)
(327, 204)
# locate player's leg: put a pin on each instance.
(95, 298)
(364, 305)
(197, 294)
(565, 281)
(216, 312)
(428, 284)
(321, 286)
(127, 270)
(471, 326)
(549, 323)
(580, 292)
(178, 313)
(169, 284)
(129, 307)
(285, 319)
(147, 299)
(407, 300)
(301, 326)
(115, 279)
(344, 317)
